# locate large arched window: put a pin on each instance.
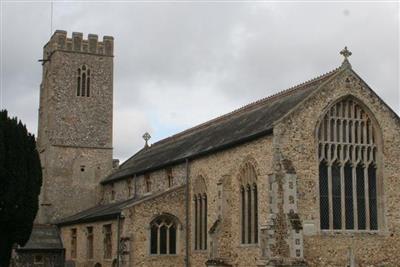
(348, 180)
(163, 235)
(248, 204)
(200, 214)
(83, 81)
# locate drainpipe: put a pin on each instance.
(118, 239)
(187, 262)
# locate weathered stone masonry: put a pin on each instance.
(276, 138)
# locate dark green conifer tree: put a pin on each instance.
(20, 183)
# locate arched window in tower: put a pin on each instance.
(200, 214)
(348, 177)
(83, 81)
(163, 235)
(248, 205)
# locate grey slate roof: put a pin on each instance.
(97, 213)
(242, 125)
(43, 237)
(110, 211)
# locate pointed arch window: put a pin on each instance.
(248, 205)
(163, 235)
(348, 184)
(83, 81)
(200, 214)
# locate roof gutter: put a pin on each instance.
(90, 219)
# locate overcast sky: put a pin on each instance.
(180, 64)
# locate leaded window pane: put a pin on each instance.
(360, 197)
(348, 181)
(243, 207)
(255, 213)
(154, 239)
(324, 198)
(336, 197)
(372, 198)
(163, 239)
(172, 240)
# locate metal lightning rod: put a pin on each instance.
(51, 18)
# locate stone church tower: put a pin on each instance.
(75, 122)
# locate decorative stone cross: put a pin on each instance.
(346, 53)
(146, 138)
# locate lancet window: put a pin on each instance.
(83, 81)
(248, 205)
(200, 214)
(348, 168)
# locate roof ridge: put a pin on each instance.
(247, 106)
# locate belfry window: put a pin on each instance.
(248, 205)
(83, 81)
(163, 235)
(347, 150)
(200, 214)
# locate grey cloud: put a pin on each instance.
(179, 64)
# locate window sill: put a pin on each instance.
(163, 255)
(255, 245)
(352, 232)
(200, 251)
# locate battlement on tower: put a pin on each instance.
(60, 42)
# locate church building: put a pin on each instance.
(306, 177)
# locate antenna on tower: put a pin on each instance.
(51, 18)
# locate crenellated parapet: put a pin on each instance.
(60, 42)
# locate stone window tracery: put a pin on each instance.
(83, 81)
(248, 205)
(200, 214)
(163, 235)
(347, 150)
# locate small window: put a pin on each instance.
(73, 243)
(38, 259)
(147, 183)
(112, 192)
(107, 243)
(82, 168)
(170, 178)
(129, 187)
(89, 240)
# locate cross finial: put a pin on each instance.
(146, 138)
(346, 53)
